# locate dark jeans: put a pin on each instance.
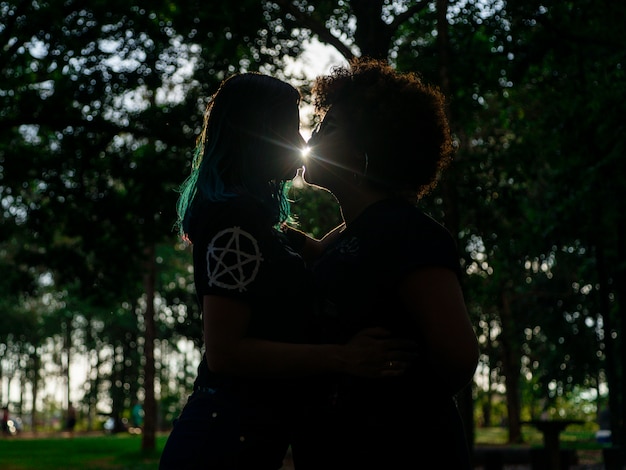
(379, 436)
(220, 433)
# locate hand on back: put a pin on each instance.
(373, 353)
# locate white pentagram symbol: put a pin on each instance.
(233, 259)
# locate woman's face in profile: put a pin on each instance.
(329, 161)
(287, 144)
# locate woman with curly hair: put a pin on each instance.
(382, 143)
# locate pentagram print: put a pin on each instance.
(233, 259)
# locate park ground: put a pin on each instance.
(587, 459)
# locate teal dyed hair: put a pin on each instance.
(233, 154)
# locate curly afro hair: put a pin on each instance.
(396, 119)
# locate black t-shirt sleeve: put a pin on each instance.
(229, 254)
(420, 243)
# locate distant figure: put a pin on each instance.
(5, 419)
(70, 424)
(137, 415)
(603, 435)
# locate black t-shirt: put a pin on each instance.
(238, 254)
(358, 279)
(358, 276)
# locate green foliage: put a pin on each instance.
(315, 210)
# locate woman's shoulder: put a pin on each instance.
(401, 217)
(409, 232)
(240, 212)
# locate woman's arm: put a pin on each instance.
(229, 350)
(435, 300)
(311, 248)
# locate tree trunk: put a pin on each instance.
(36, 365)
(148, 442)
(510, 360)
(618, 424)
(464, 399)
(372, 35)
(67, 346)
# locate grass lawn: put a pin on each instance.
(588, 449)
(123, 451)
(574, 437)
(101, 452)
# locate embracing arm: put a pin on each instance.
(435, 300)
(311, 248)
(230, 351)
